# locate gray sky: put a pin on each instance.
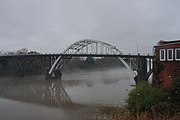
(52, 25)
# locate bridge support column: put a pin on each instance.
(48, 66)
(55, 75)
(47, 75)
(58, 74)
(142, 70)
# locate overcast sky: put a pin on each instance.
(52, 25)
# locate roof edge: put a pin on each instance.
(162, 42)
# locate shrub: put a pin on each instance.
(144, 96)
(163, 109)
(175, 92)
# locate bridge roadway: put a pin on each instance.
(80, 55)
(22, 61)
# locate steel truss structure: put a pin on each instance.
(87, 46)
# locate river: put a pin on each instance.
(75, 97)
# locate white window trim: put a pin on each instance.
(168, 50)
(164, 55)
(176, 54)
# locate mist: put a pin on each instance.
(109, 76)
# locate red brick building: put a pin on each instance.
(167, 62)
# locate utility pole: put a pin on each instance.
(137, 49)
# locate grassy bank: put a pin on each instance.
(147, 102)
(121, 113)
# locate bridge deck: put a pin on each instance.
(82, 55)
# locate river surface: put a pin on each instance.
(75, 97)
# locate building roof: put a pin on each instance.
(162, 42)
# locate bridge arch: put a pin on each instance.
(24, 65)
(86, 46)
(4, 59)
(4, 62)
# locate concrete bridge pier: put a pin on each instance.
(57, 74)
(47, 75)
(142, 70)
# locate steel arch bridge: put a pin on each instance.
(86, 47)
(52, 64)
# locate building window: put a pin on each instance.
(177, 54)
(170, 54)
(162, 55)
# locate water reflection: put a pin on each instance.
(51, 93)
(108, 87)
(75, 97)
(89, 88)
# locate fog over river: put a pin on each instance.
(75, 97)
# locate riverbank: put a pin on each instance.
(147, 102)
(122, 113)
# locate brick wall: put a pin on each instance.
(169, 70)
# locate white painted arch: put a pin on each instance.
(79, 45)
